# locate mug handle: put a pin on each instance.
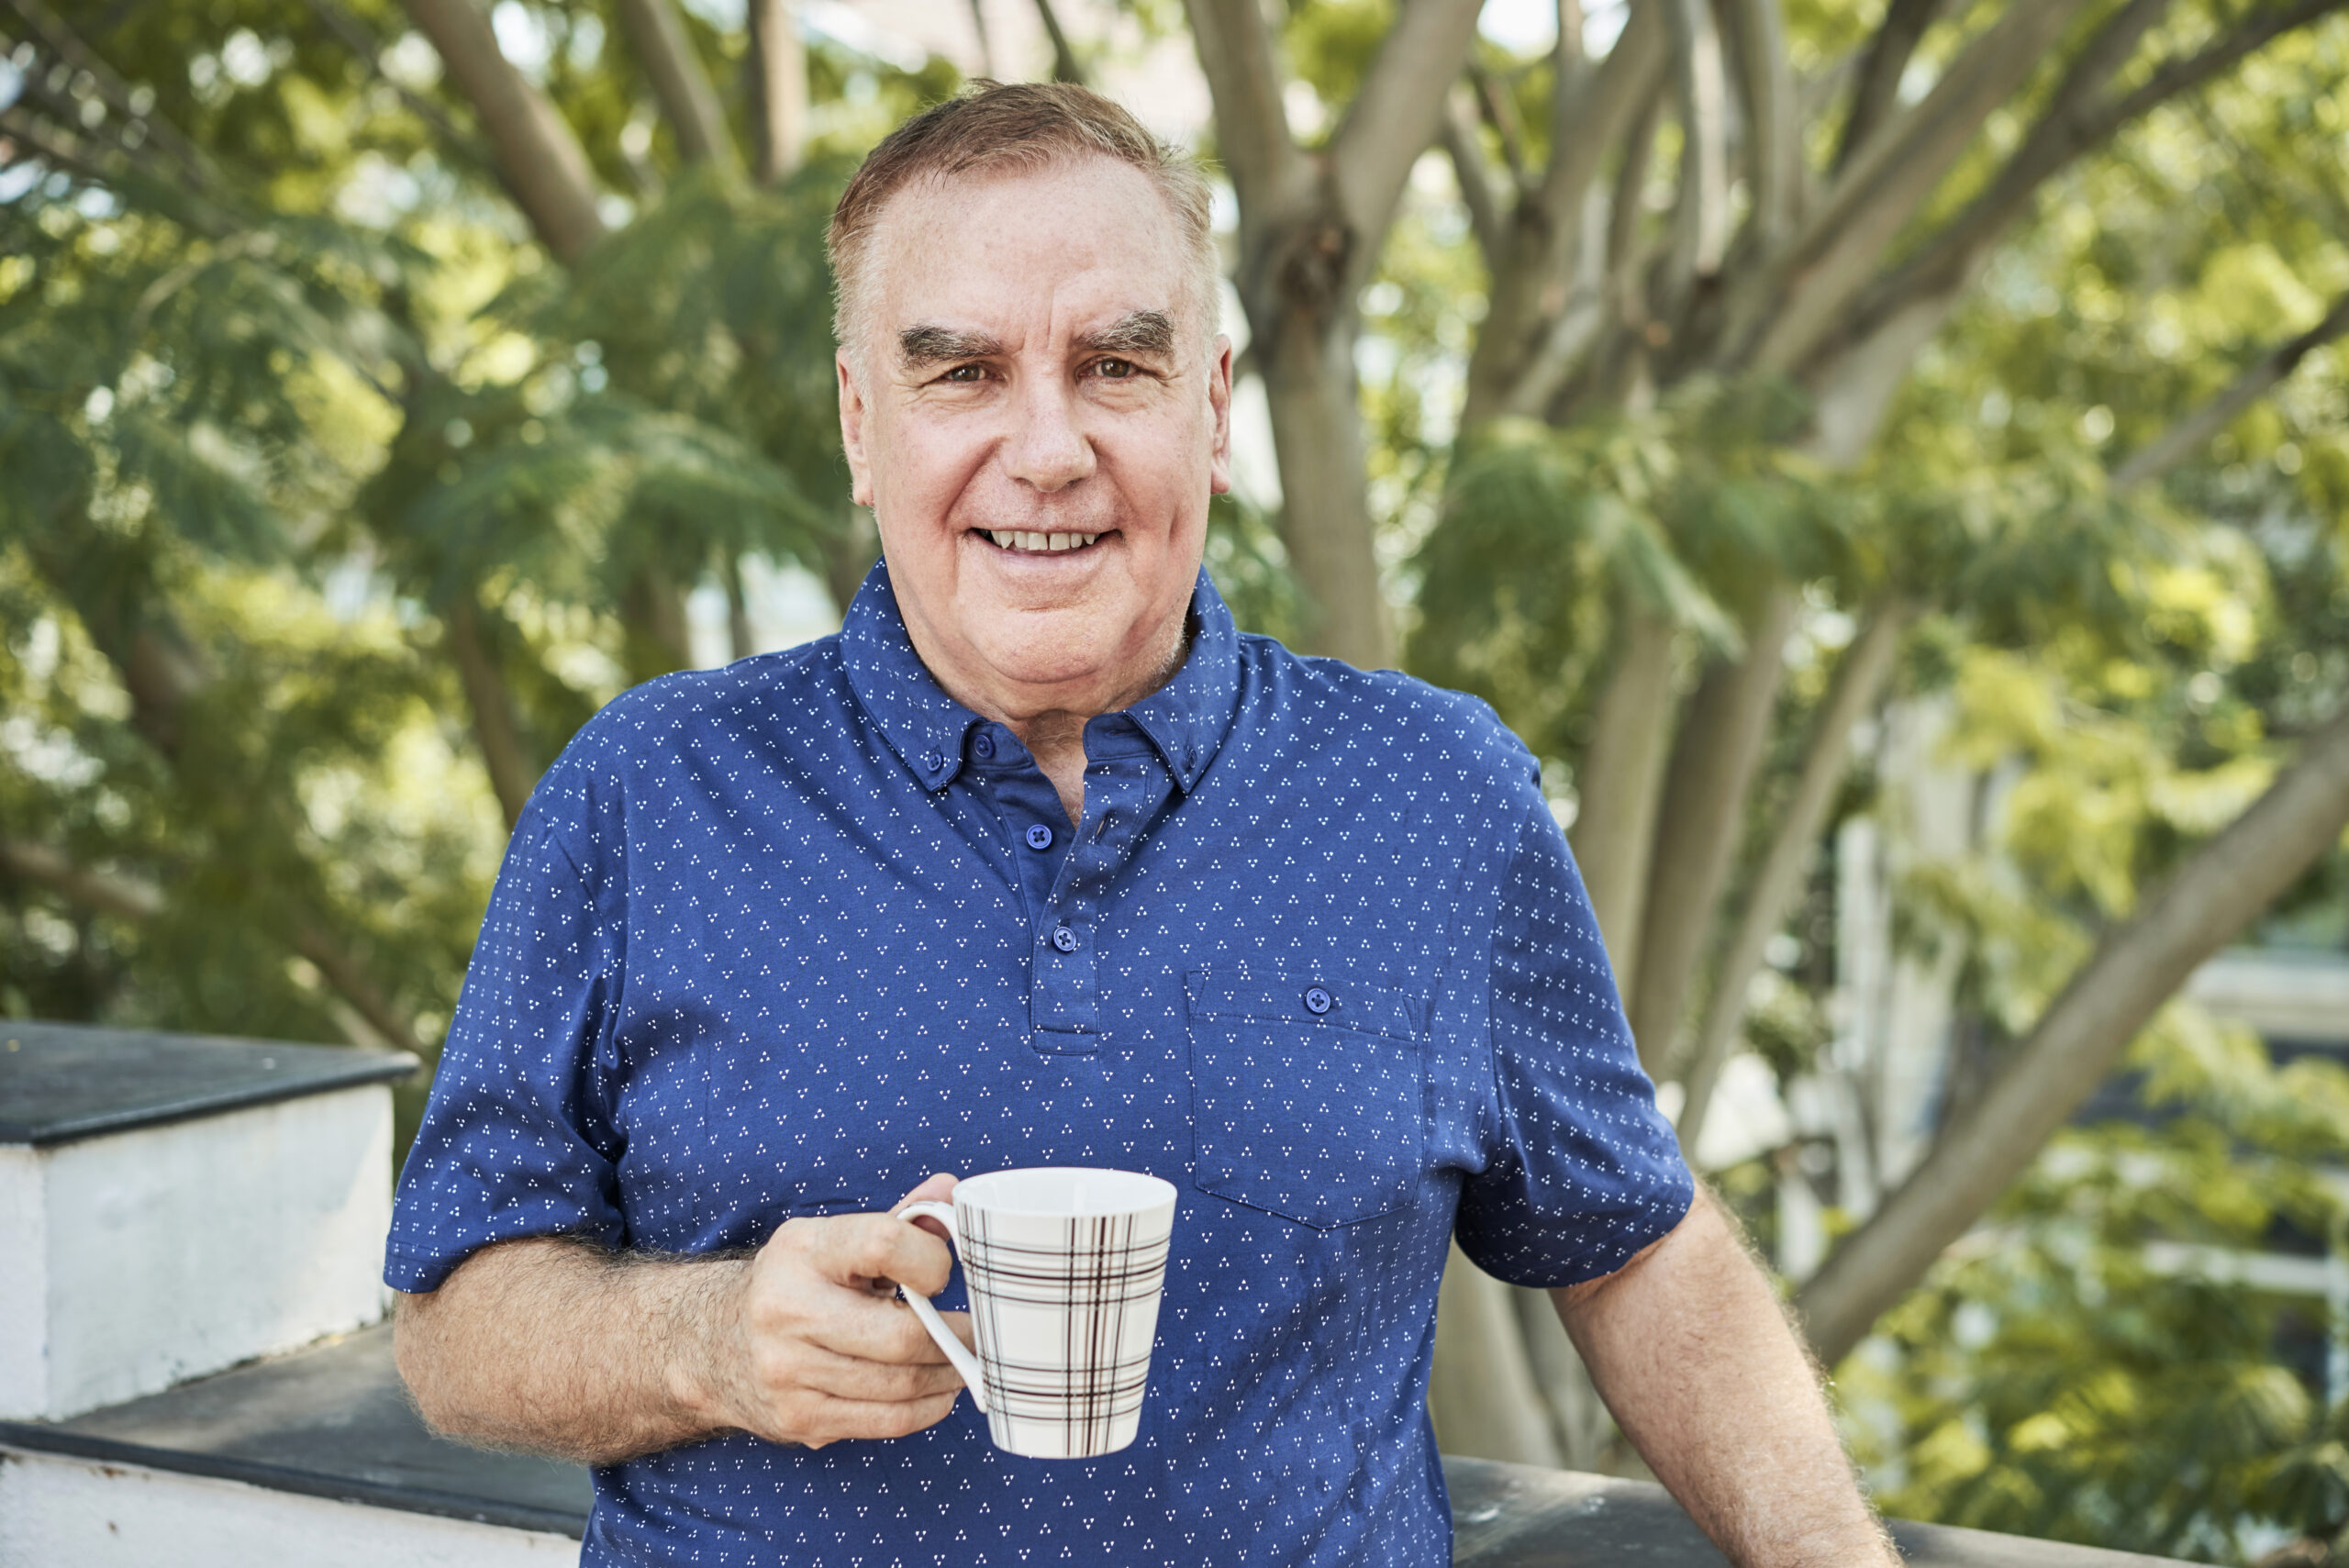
(965, 1364)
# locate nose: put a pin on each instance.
(1047, 449)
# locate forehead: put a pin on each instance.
(1074, 239)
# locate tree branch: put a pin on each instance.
(1244, 74)
(2205, 904)
(1395, 114)
(66, 45)
(1064, 62)
(511, 776)
(2191, 434)
(1765, 77)
(1620, 778)
(1799, 301)
(1476, 194)
(131, 899)
(687, 100)
(1583, 124)
(1494, 104)
(349, 979)
(1796, 825)
(356, 39)
(540, 159)
(1701, 208)
(1877, 96)
(2074, 122)
(777, 67)
(123, 898)
(1722, 734)
(1513, 366)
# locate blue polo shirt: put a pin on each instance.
(786, 938)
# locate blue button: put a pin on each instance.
(1064, 939)
(933, 760)
(1317, 1001)
(1040, 837)
(985, 745)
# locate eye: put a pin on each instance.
(1114, 369)
(965, 374)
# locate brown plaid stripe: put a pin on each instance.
(1105, 1280)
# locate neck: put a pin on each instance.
(1055, 735)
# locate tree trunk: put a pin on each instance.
(1325, 499)
(777, 67)
(652, 626)
(2073, 1047)
(1859, 678)
(688, 102)
(1483, 1401)
(1621, 776)
(1724, 733)
(1310, 229)
(511, 775)
(537, 154)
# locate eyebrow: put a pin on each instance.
(1135, 332)
(932, 345)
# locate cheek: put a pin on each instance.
(919, 470)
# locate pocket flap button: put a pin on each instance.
(1317, 1001)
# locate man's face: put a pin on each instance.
(1038, 423)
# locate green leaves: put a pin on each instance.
(1687, 512)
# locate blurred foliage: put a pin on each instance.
(2092, 1366)
(272, 409)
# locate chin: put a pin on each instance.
(1046, 657)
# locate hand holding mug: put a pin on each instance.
(813, 1345)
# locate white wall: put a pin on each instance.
(137, 1260)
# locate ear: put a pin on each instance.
(853, 411)
(1220, 400)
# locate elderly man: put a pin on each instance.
(1039, 862)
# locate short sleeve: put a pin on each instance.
(1585, 1170)
(516, 1139)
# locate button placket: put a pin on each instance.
(1119, 797)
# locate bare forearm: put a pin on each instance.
(1691, 1352)
(556, 1348)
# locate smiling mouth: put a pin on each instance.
(1030, 542)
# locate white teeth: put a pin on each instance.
(1021, 539)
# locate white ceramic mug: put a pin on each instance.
(1065, 1266)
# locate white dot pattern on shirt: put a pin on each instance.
(754, 953)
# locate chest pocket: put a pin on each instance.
(1309, 1096)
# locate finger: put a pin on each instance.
(854, 1248)
(876, 1329)
(877, 1383)
(935, 1189)
(939, 1188)
(833, 1420)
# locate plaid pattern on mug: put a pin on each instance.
(1099, 1276)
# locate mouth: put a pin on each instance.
(1024, 541)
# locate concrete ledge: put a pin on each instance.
(317, 1457)
(1513, 1515)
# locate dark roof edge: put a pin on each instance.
(368, 1066)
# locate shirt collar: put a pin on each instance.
(1185, 719)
